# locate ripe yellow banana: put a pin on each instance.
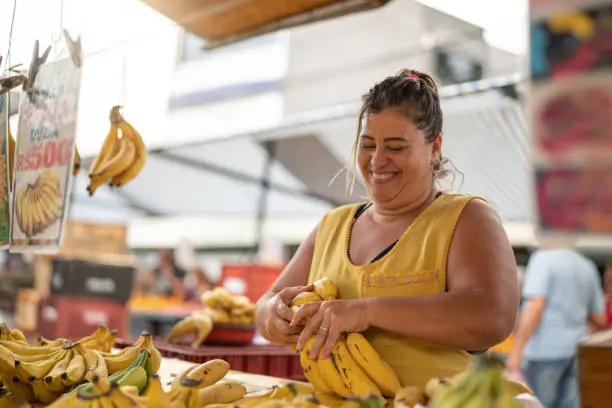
(326, 289)
(18, 336)
(370, 361)
(42, 393)
(204, 375)
(408, 397)
(312, 370)
(108, 147)
(305, 297)
(26, 370)
(137, 164)
(156, 396)
(96, 366)
(328, 399)
(353, 376)
(332, 377)
(120, 161)
(76, 163)
(20, 389)
(123, 359)
(75, 372)
(53, 379)
(221, 393)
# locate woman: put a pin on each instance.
(427, 276)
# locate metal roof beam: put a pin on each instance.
(237, 175)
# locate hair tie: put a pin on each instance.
(413, 76)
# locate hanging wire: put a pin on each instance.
(56, 40)
(123, 82)
(10, 40)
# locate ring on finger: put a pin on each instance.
(323, 329)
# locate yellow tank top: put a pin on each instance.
(414, 267)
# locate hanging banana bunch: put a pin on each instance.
(122, 157)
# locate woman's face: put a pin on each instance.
(394, 158)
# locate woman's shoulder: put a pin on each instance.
(343, 211)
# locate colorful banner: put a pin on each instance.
(43, 158)
(571, 115)
(5, 212)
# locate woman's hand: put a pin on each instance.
(278, 315)
(330, 318)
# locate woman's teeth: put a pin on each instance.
(382, 176)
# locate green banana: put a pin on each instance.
(127, 377)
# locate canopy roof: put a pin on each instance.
(221, 22)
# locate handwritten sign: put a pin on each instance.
(43, 158)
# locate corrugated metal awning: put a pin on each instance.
(221, 22)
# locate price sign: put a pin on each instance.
(570, 115)
(5, 219)
(43, 158)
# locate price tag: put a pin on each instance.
(43, 158)
(571, 116)
(5, 219)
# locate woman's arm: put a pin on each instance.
(479, 310)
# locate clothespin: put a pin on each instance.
(76, 51)
(35, 65)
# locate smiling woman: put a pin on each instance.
(429, 277)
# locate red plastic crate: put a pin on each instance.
(271, 360)
(73, 317)
(253, 281)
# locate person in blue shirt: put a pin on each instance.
(562, 296)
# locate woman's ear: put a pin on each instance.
(436, 149)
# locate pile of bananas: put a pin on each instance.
(220, 307)
(124, 385)
(481, 385)
(121, 158)
(39, 205)
(354, 367)
(43, 373)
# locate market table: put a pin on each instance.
(170, 367)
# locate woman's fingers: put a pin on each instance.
(309, 330)
(287, 294)
(283, 311)
(333, 335)
(307, 310)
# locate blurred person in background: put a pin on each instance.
(414, 265)
(608, 294)
(562, 294)
(166, 279)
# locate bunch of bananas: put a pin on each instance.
(43, 373)
(220, 307)
(121, 157)
(14, 335)
(354, 367)
(39, 205)
(120, 361)
(118, 389)
(482, 385)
